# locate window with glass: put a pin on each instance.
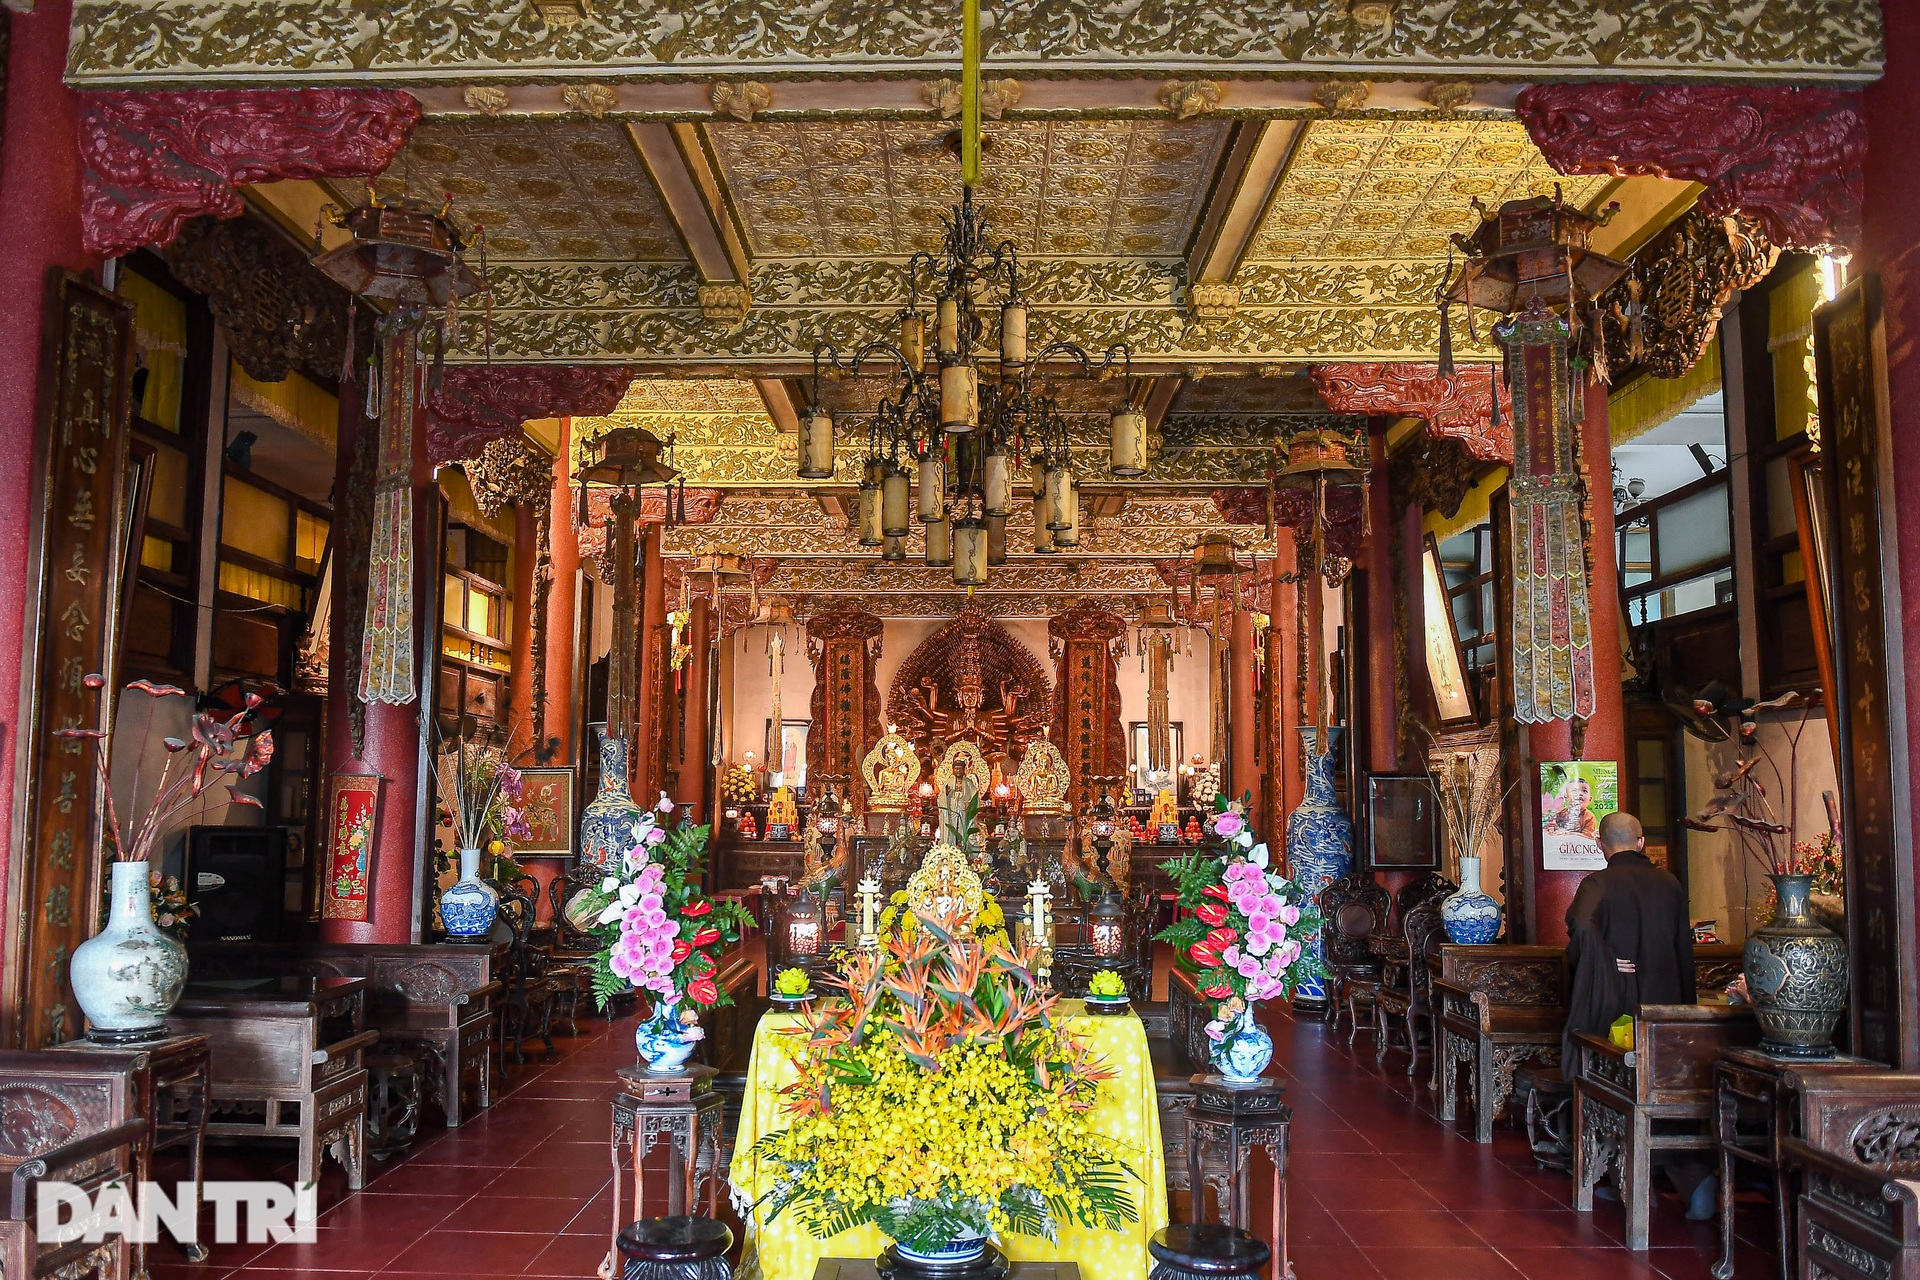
(1466, 570)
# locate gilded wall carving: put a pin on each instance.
(138, 41)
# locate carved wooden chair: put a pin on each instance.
(1352, 909)
(1858, 1160)
(572, 949)
(1406, 999)
(1431, 887)
(527, 1004)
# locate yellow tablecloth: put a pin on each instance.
(1127, 1113)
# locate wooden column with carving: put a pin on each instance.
(1087, 697)
(692, 737)
(562, 606)
(844, 646)
(1287, 697)
(651, 677)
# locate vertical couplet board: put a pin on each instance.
(846, 703)
(1850, 356)
(76, 565)
(1087, 694)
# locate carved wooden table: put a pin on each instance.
(1657, 1096)
(686, 1110)
(1857, 1156)
(1756, 1108)
(1494, 1008)
(172, 1084)
(284, 1043)
(1233, 1119)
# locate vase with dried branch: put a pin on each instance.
(128, 977)
(1796, 967)
(1467, 789)
(481, 797)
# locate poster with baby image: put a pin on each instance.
(1574, 796)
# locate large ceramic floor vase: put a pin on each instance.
(610, 820)
(128, 976)
(1319, 844)
(1796, 970)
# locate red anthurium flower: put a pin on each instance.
(681, 949)
(1211, 913)
(703, 990)
(706, 937)
(1218, 991)
(1215, 891)
(697, 908)
(1221, 938)
(1203, 955)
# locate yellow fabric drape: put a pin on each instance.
(1475, 508)
(296, 402)
(160, 345)
(1646, 402)
(462, 508)
(1127, 1115)
(1790, 339)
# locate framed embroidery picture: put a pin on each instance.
(547, 798)
(353, 810)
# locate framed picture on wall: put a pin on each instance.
(1139, 765)
(787, 764)
(548, 801)
(1403, 823)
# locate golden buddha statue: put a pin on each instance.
(946, 889)
(1043, 778)
(890, 770)
(1166, 812)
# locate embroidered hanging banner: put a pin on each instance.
(353, 810)
(73, 589)
(1552, 634)
(386, 660)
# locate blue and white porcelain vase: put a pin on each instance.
(128, 976)
(1319, 845)
(1468, 915)
(663, 1040)
(1242, 1054)
(468, 907)
(608, 823)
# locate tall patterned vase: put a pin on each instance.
(470, 904)
(1469, 915)
(1319, 845)
(128, 976)
(1796, 970)
(608, 823)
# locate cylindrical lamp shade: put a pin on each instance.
(996, 541)
(1038, 471)
(1013, 335)
(1042, 536)
(948, 336)
(894, 550)
(913, 339)
(1069, 537)
(1129, 456)
(959, 398)
(939, 543)
(816, 445)
(933, 486)
(1058, 498)
(870, 535)
(997, 484)
(896, 504)
(969, 553)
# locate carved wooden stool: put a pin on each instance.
(1233, 1119)
(683, 1108)
(393, 1101)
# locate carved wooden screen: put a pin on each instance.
(73, 616)
(1087, 697)
(844, 645)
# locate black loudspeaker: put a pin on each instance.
(236, 881)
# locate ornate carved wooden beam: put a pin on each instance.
(1683, 278)
(155, 159)
(478, 403)
(1460, 406)
(1345, 512)
(1789, 157)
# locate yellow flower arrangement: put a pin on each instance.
(939, 1102)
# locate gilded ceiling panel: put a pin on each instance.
(830, 188)
(1394, 190)
(544, 188)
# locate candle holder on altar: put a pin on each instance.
(803, 932)
(1107, 925)
(1101, 823)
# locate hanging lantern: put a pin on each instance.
(1037, 471)
(913, 339)
(402, 251)
(894, 550)
(1107, 924)
(1013, 337)
(996, 541)
(948, 337)
(933, 486)
(895, 502)
(805, 926)
(969, 553)
(1043, 544)
(939, 544)
(1128, 456)
(1068, 538)
(959, 398)
(816, 444)
(998, 484)
(1059, 494)
(870, 534)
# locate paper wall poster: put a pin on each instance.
(351, 818)
(1574, 796)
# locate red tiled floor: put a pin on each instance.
(1379, 1189)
